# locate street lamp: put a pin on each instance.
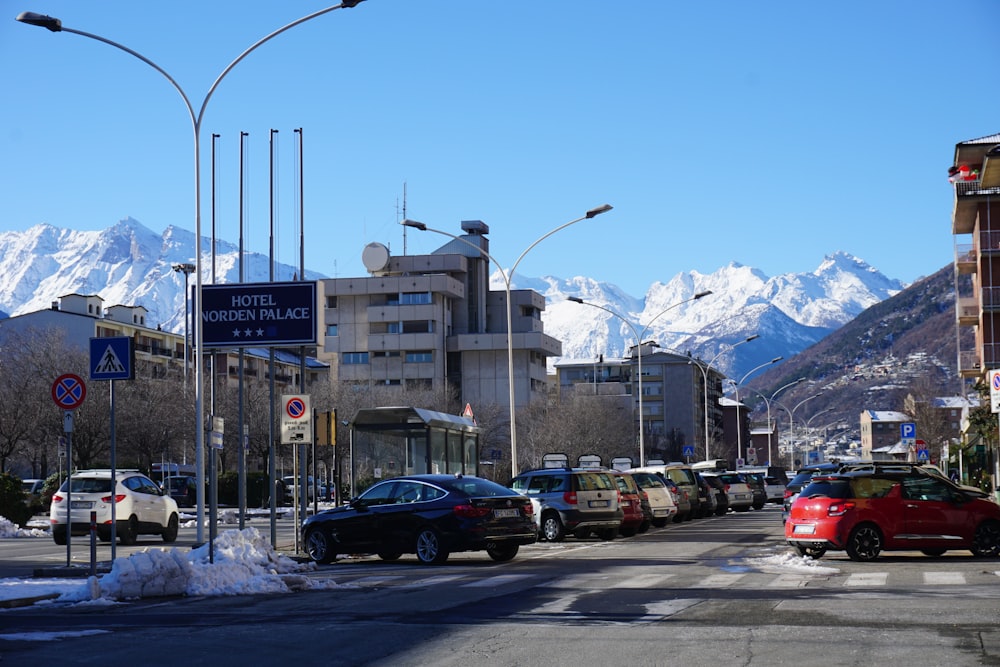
(767, 402)
(736, 387)
(187, 270)
(791, 426)
(704, 373)
(508, 275)
(809, 421)
(55, 25)
(638, 345)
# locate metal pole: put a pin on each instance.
(55, 25)
(507, 277)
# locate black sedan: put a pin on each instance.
(428, 515)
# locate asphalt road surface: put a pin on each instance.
(715, 591)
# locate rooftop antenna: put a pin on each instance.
(403, 218)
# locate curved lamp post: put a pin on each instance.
(508, 275)
(791, 426)
(638, 345)
(736, 387)
(821, 412)
(767, 402)
(703, 367)
(55, 25)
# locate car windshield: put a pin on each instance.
(731, 478)
(88, 485)
(477, 487)
(828, 488)
(648, 481)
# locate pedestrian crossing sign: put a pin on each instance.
(112, 358)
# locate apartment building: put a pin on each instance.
(432, 322)
(674, 398)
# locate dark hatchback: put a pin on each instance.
(427, 515)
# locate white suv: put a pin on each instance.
(141, 507)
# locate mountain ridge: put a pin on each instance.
(127, 263)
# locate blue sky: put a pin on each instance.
(765, 133)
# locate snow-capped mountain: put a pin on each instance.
(789, 312)
(131, 265)
(125, 264)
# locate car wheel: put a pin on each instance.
(644, 526)
(552, 527)
(721, 511)
(933, 552)
(678, 518)
(319, 546)
(429, 549)
(987, 539)
(659, 523)
(389, 555)
(170, 532)
(628, 531)
(128, 532)
(501, 552)
(59, 536)
(811, 552)
(607, 534)
(864, 543)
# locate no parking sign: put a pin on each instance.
(296, 420)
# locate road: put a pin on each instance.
(716, 591)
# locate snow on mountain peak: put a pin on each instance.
(129, 264)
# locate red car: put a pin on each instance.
(892, 508)
(631, 497)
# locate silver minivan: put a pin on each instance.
(572, 500)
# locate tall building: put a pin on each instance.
(432, 322)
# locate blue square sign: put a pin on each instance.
(112, 358)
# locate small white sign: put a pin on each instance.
(995, 391)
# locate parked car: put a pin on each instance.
(721, 497)
(292, 488)
(183, 489)
(801, 479)
(682, 475)
(141, 507)
(33, 490)
(681, 500)
(739, 493)
(775, 479)
(661, 501)
(429, 515)
(630, 500)
(706, 493)
(573, 500)
(755, 481)
(866, 512)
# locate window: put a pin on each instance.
(331, 301)
(414, 298)
(420, 357)
(353, 358)
(331, 329)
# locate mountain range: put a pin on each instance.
(130, 264)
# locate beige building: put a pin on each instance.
(432, 322)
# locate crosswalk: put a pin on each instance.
(687, 580)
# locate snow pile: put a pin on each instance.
(790, 561)
(9, 529)
(245, 563)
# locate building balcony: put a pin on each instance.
(965, 258)
(969, 365)
(967, 308)
(968, 196)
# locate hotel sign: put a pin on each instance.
(259, 314)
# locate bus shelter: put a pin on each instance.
(392, 441)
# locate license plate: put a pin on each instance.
(507, 513)
(82, 504)
(599, 503)
(660, 512)
(804, 529)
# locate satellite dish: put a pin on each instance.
(375, 257)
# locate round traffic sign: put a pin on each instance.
(68, 391)
(295, 408)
